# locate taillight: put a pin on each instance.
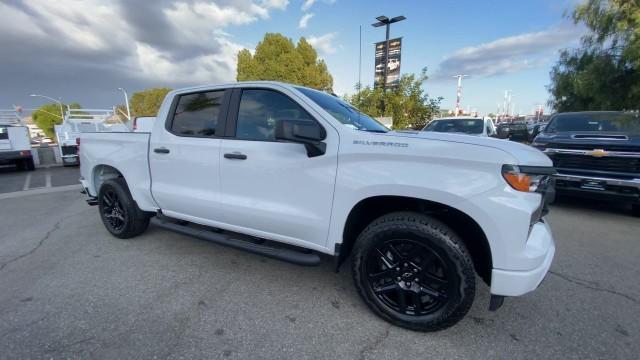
(135, 123)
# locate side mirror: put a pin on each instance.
(305, 132)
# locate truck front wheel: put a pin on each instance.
(414, 271)
(119, 212)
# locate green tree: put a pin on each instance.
(46, 116)
(604, 73)
(147, 102)
(408, 104)
(278, 58)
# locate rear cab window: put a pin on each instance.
(198, 114)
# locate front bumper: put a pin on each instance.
(626, 190)
(540, 248)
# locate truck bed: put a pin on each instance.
(126, 152)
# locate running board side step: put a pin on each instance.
(291, 256)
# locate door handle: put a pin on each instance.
(161, 150)
(236, 156)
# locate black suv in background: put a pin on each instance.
(596, 154)
(515, 130)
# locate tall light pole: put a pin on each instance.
(459, 91)
(126, 101)
(54, 100)
(385, 21)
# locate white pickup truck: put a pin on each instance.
(290, 172)
(15, 144)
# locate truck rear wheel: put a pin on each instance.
(119, 212)
(29, 165)
(414, 271)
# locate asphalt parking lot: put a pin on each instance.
(70, 290)
(43, 177)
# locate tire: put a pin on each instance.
(635, 210)
(399, 248)
(29, 165)
(119, 212)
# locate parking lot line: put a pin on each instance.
(39, 191)
(27, 182)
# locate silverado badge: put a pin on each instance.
(598, 153)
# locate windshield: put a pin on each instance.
(343, 112)
(472, 126)
(595, 122)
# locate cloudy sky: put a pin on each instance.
(83, 51)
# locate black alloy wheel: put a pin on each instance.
(113, 211)
(409, 277)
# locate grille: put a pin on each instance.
(584, 162)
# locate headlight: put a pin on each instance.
(527, 178)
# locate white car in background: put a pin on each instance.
(463, 125)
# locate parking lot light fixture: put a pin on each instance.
(54, 100)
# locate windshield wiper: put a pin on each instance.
(374, 130)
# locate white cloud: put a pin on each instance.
(509, 54)
(307, 5)
(304, 20)
(324, 43)
(174, 42)
(276, 4)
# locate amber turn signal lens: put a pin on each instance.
(518, 181)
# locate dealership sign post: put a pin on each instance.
(385, 68)
(388, 76)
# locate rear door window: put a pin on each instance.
(198, 114)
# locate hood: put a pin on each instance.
(591, 138)
(524, 154)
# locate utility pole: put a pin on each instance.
(385, 21)
(459, 91)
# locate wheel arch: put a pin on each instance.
(102, 173)
(371, 208)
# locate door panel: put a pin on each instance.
(274, 187)
(185, 156)
(277, 189)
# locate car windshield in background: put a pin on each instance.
(343, 112)
(595, 122)
(472, 126)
